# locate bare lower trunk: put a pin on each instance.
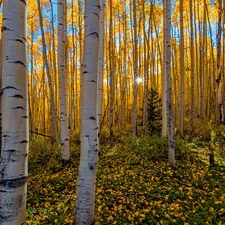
(15, 137)
(89, 129)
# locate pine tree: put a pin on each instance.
(154, 111)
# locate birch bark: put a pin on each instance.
(135, 85)
(89, 130)
(64, 126)
(101, 61)
(15, 136)
(181, 124)
(52, 102)
(168, 84)
(192, 73)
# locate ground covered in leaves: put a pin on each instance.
(135, 185)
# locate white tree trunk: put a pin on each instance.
(181, 124)
(135, 85)
(192, 74)
(169, 86)
(64, 126)
(15, 137)
(89, 130)
(100, 62)
(164, 78)
(52, 102)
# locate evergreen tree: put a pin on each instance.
(154, 111)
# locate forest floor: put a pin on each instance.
(135, 184)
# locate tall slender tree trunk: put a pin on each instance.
(89, 130)
(52, 102)
(73, 95)
(15, 131)
(145, 101)
(100, 62)
(111, 65)
(219, 79)
(64, 126)
(55, 83)
(135, 76)
(192, 73)
(181, 124)
(164, 76)
(168, 84)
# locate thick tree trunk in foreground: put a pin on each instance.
(89, 129)
(13, 164)
(64, 126)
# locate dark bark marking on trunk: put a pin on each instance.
(93, 33)
(5, 136)
(10, 150)
(19, 107)
(17, 96)
(24, 2)
(93, 81)
(17, 40)
(23, 141)
(5, 28)
(19, 62)
(14, 183)
(91, 167)
(8, 87)
(92, 118)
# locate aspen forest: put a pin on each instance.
(112, 112)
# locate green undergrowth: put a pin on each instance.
(135, 184)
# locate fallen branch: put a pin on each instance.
(43, 135)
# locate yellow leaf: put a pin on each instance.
(110, 218)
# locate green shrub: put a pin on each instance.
(156, 147)
(42, 152)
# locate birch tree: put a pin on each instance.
(168, 84)
(52, 102)
(219, 79)
(192, 73)
(181, 124)
(101, 61)
(135, 90)
(89, 130)
(164, 77)
(14, 152)
(111, 66)
(64, 126)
